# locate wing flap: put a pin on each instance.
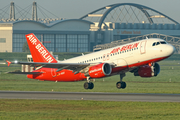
(25, 73)
(59, 66)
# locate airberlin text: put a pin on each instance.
(40, 49)
(95, 70)
(123, 48)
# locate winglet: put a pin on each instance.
(8, 62)
(38, 51)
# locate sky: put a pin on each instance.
(74, 9)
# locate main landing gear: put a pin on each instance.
(88, 84)
(121, 84)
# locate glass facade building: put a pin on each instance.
(55, 42)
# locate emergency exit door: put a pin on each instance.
(143, 47)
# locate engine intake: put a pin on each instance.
(100, 70)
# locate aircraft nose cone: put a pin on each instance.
(170, 49)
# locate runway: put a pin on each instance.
(90, 96)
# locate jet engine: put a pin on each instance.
(148, 71)
(100, 70)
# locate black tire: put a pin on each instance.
(118, 85)
(91, 85)
(86, 85)
(123, 85)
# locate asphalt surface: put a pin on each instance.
(90, 96)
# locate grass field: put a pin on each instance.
(86, 110)
(168, 81)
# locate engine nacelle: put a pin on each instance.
(148, 71)
(100, 70)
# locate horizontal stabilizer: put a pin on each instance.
(8, 62)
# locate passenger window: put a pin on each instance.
(154, 44)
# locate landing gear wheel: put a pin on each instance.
(120, 85)
(123, 85)
(86, 85)
(89, 85)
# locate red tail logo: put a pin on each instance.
(38, 51)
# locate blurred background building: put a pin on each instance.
(102, 28)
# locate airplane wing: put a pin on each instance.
(59, 66)
(25, 73)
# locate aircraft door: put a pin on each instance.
(143, 47)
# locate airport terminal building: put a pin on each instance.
(104, 25)
(60, 36)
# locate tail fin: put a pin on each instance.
(38, 51)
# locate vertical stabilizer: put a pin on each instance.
(38, 51)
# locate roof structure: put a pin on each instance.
(17, 14)
(127, 13)
(48, 24)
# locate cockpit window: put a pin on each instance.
(162, 42)
(154, 44)
(157, 43)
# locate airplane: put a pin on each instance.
(139, 58)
